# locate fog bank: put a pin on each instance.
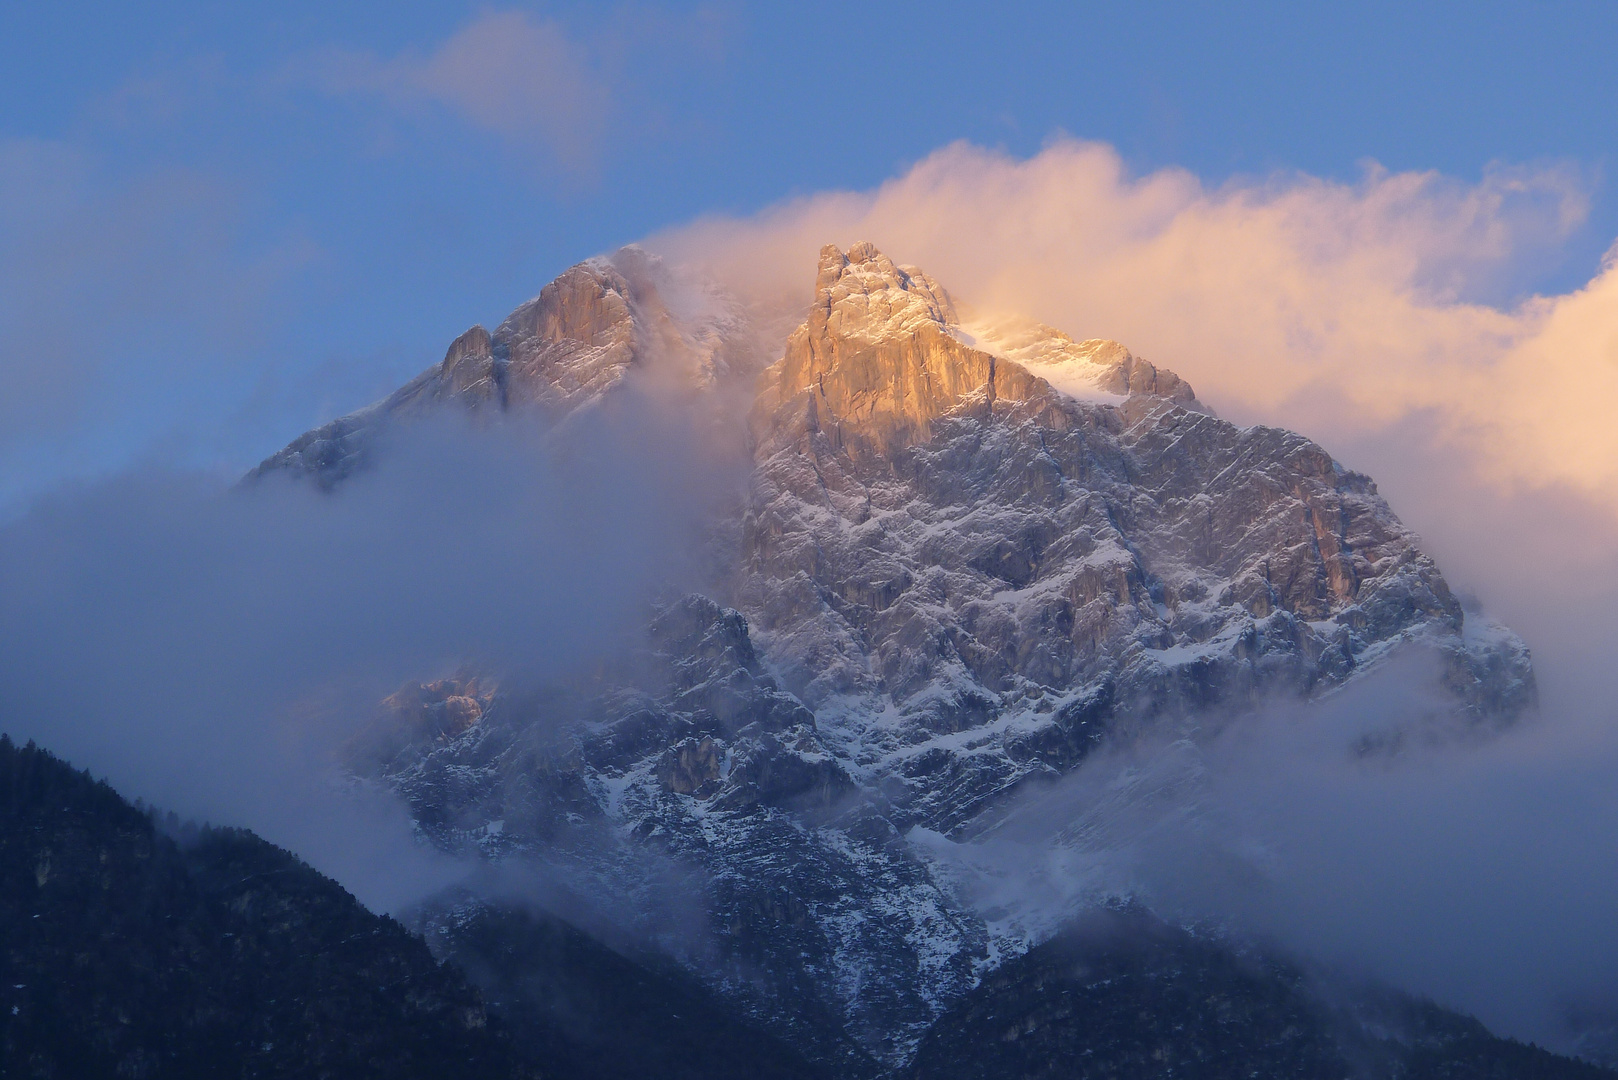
(209, 647)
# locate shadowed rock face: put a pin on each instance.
(971, 551)
(559, 352)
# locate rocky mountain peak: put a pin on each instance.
(883, 353)
(886, 351)
(862, 293)
(876, 364)
(588, 305)
(607, 318)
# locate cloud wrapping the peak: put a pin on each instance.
(211, 648)
(1333, 308)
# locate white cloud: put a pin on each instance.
(563, 98)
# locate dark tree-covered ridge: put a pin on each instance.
(124, 953)
(1124, 995)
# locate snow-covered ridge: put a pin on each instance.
(1078, 369)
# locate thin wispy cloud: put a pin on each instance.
(532, 83)
(123, 300)
(523, 79)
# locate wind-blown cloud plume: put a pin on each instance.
(1334, 308)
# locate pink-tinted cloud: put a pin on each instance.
(1338, 309)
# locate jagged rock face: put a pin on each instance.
(972, 550)
(973, 581)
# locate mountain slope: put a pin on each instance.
(591, 1013)
(123, 953)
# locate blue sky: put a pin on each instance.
(220, 224)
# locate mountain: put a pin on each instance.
(971, 551)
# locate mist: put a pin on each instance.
(209, 646)
(1480, 874)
